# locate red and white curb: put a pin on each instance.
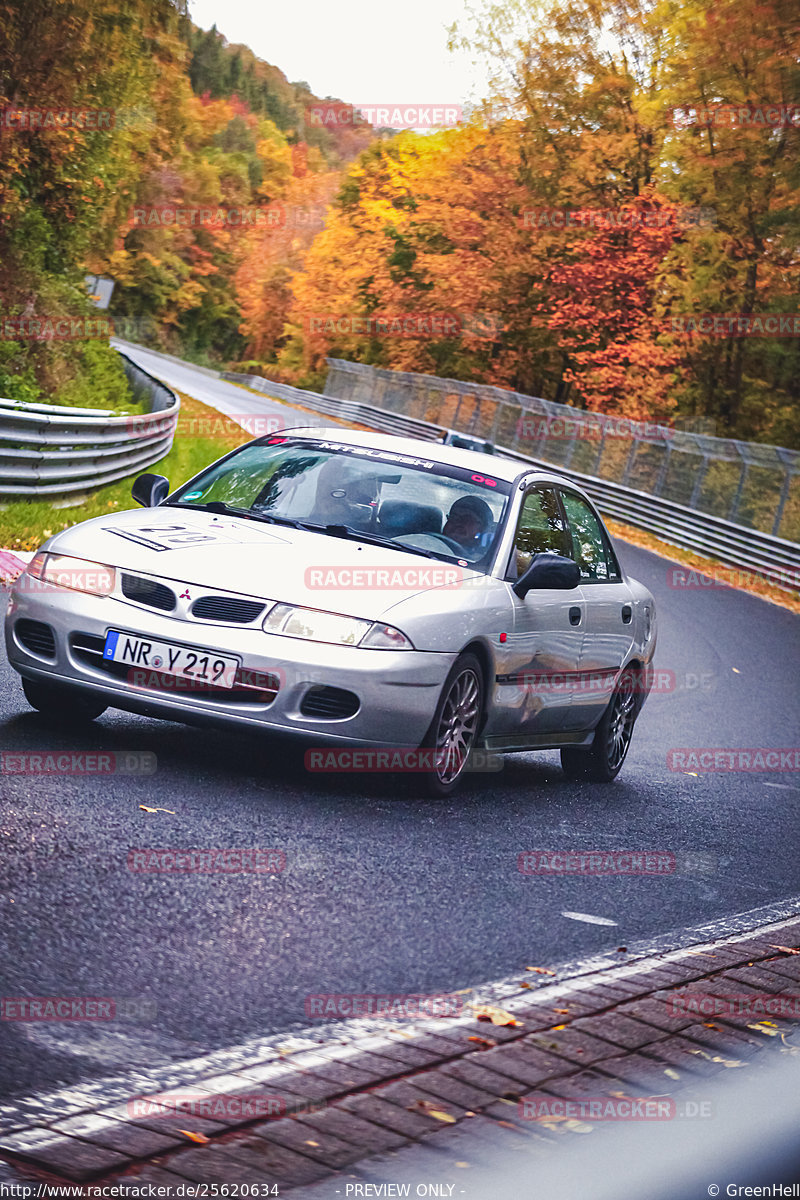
(13, 563)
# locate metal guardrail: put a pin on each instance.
(746, 483)
(52, 450)
(735, 545)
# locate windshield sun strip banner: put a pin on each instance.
(398, 459)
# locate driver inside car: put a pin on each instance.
(468, 521)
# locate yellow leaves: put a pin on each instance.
(540, 970)
(497, 1016)
(429, 1107)
(200, 1138)
(768, 1028)
(146, 808)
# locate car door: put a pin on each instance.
(540, 657)
(608, 623)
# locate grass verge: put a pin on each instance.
(25, 524)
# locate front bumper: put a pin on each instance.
(397, 690)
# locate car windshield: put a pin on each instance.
(380, 495)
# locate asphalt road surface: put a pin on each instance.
(384, 890)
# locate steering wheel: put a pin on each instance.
(451, 544)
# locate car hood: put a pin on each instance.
(233, 554)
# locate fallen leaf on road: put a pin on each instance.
(671, 1074)
(540, 970)
(146, 808)
(524, 985)
(785, 949)
(427, 1106)
(764, 1027)
(498, 1016)
(564, 1012)
(195, 1137)
(487, 1043)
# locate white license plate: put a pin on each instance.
(203, 666)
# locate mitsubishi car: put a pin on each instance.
(356, 589)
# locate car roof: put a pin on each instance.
(495, 466)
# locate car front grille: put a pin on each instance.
(36, 637)
(330, 703)
(250, 687)
(147, 591)
(228, 609)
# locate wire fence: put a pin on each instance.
(746, 483)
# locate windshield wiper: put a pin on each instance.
(373, 539)
(219, 506)
(342, 531)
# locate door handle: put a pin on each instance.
(627, 613)
(575, 615)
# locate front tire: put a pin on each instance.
(62, 703)
(602, 761)
(455, 725)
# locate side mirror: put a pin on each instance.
(150, 490)
(548, 571)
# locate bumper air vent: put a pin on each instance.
(36, 637)
(330, 703)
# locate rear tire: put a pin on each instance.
(601, 762)
(455, 725)
(62, 703)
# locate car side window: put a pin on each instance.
(541, 530)
(592, 551)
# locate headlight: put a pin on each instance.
(386, 637)
(76, 574)
(314, 625)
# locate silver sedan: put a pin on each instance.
(368, 592)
